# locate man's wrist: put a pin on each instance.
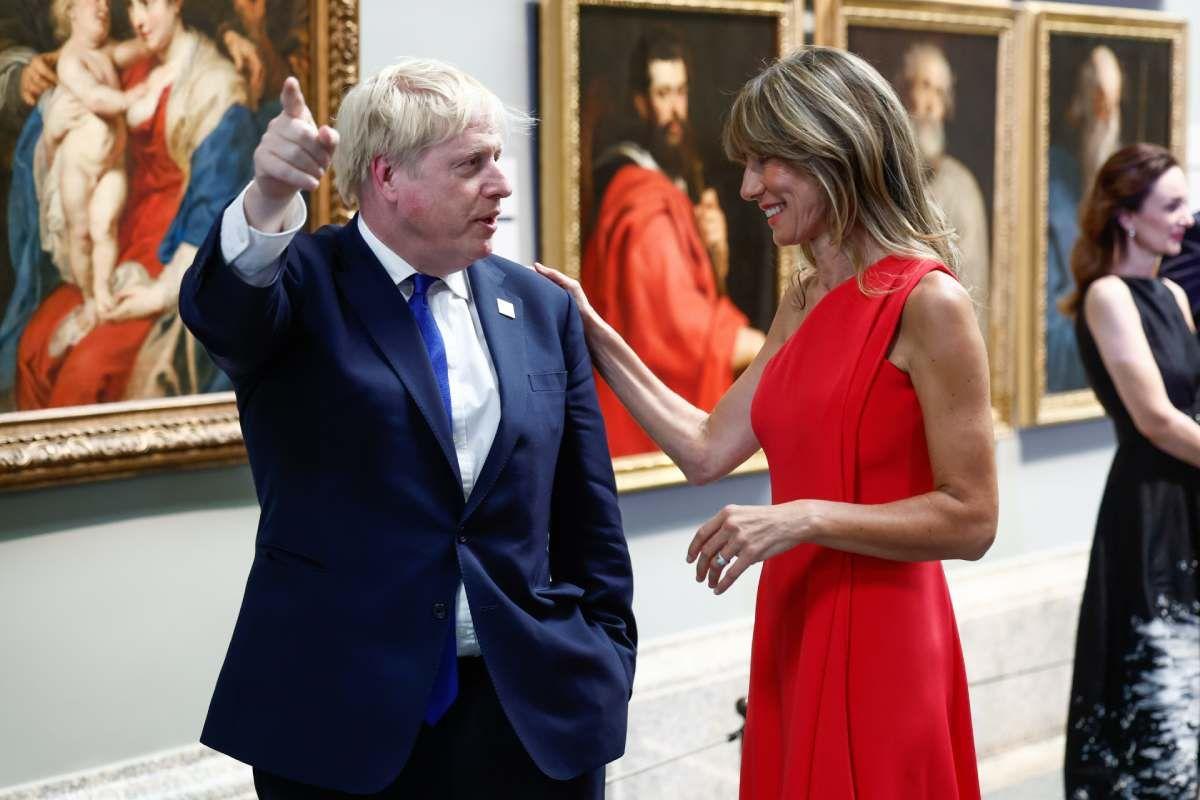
(265, 212)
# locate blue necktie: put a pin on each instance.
(445, 685)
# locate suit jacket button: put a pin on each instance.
(462, 540)
(439, 610)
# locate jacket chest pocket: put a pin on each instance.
(548, 400)
(553, 381)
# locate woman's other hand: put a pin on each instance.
(739, 536)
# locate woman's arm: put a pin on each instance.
(704, 446)
(940, 347)
(1116, 326)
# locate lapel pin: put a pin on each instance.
(506, 308)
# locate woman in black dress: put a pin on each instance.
(1134, 717)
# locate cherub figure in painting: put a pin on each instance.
(86, 130)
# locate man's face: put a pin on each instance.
(928, 101)
(667, 104)
(929, 88)
(447, 206)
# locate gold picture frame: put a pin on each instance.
(560, 143)
(1058, 35)
(89, 442)
(974, 41)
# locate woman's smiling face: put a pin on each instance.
(794, 204)
(1164, 216)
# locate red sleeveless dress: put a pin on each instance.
(857, 687)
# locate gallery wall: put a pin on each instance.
(118, 597)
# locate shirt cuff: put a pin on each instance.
(253, 254)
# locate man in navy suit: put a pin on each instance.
(439, 603)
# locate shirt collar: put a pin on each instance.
(400, 270)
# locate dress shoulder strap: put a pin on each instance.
(888, 284)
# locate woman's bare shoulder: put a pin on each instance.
(1105, 295)
(939, 296)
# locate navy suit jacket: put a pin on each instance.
(364, 532)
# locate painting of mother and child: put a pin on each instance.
(126, 126)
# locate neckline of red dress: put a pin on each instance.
(854, 279)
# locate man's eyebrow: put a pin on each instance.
(479, 149)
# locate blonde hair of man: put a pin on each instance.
(405, 109)
(832, 116)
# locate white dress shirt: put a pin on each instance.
(474, 394)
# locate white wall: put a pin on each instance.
(118, 598)
(1187, 9)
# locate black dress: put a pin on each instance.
(1134, 719)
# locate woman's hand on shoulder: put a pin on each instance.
(573, 288)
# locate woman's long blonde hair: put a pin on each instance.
(831, 115)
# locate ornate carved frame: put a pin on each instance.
(998, 21)
(1044, 20)
(560, 160)
(104, 441)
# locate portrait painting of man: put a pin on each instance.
(1105, 92)
(127, 126)
(672, 257)
(947, 81)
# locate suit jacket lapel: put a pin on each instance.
(384, 313)
(506, 343)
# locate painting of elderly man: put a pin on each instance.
(947, 82)
(127, 126)
(1105, 92)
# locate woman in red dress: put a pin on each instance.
(870, 399)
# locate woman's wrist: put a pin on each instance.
(602, 339)
(807, 521)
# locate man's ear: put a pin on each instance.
(642, 105)
(383, 177)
